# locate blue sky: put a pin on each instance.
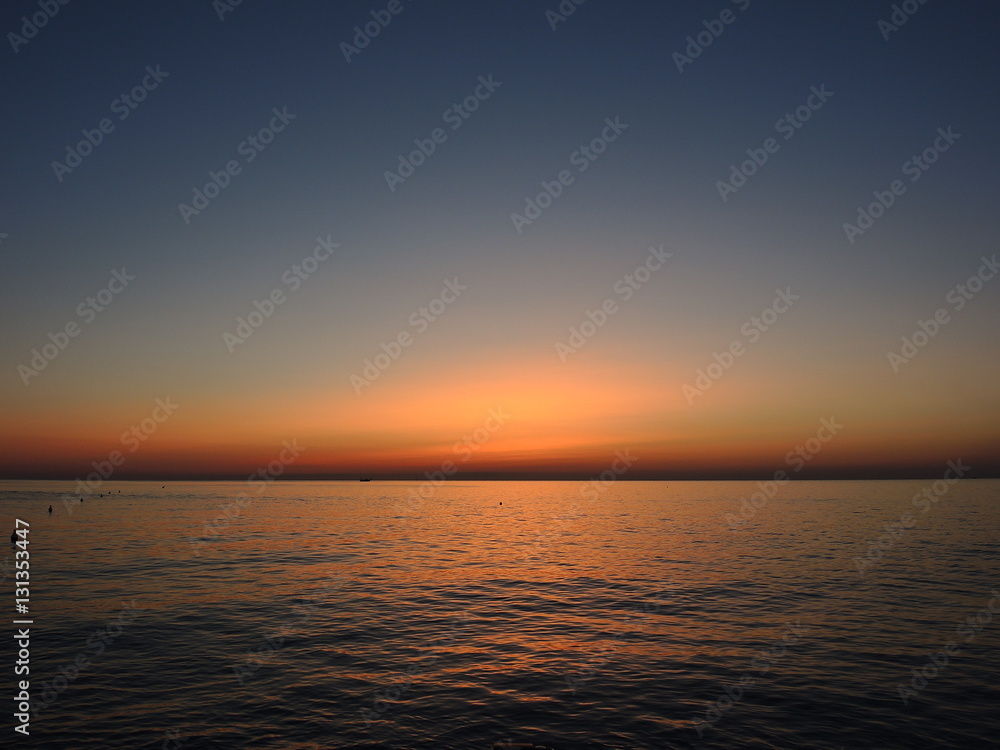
(656, 184)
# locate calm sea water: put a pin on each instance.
(643, 615)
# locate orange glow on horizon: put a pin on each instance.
(515, 417)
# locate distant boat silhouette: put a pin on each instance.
(365, 479)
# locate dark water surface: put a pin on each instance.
(642, 615)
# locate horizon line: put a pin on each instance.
(501, 477)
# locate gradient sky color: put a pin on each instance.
(494, 346)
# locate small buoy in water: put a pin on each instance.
(50, 510)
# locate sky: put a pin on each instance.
(522, 239)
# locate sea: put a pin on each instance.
(564, 614)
